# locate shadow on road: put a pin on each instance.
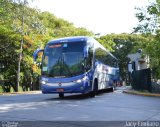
(80, 96)
(71, 97)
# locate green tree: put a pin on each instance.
(121, 45)
(149, 22)
(8, 44)
(107, 41)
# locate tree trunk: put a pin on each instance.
(20, 55)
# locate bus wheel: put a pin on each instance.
(92, 94)
(112, 89)
(61, 95)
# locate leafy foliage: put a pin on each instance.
(149, 25)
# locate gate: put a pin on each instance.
(141, 80)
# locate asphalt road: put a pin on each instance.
(112, 106)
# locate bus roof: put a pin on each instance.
(70, 39)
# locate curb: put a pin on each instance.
(141, 93)
(26, 92)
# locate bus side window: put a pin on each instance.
(100, 55)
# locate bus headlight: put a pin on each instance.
(43, 82)
(81, 80)
(78, 81)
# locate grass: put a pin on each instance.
(1, 90)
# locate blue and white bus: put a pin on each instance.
(77, 64)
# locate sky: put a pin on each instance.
(98, 16)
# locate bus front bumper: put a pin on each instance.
(70, 87)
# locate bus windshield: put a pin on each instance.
(63, 59)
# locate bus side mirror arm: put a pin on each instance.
(35, 54)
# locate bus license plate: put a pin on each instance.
(60, 90)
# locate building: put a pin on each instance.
(138, 61)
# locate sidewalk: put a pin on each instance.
(25, 92)
(129, 90)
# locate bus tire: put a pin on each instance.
(112, 89)
(92, 94)
(61, 95)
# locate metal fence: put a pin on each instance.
(141, 80)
